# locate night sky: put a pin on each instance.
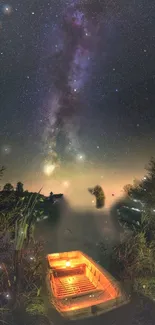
(77, 94)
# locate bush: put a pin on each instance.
(135, 262)
(145, 286)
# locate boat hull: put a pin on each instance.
(79, 287)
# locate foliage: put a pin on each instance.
(36, 306)
(135, 257)
(19, 187)
(97, 191)
(21, 256)
(142, 196)
(127, 189)
(8, 187)
(146, 286)
(144, 190)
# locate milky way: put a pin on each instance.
(69, 67)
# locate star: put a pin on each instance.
(6, 150)
(80, 157)
(7, 9)
(73, 97)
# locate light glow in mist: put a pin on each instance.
(49, 169)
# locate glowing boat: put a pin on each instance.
(79, 287)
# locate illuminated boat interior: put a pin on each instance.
(76, 282)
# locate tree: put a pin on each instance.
(8, 187)
(135, 257)
(1, 171)
(19, 187)
(127, 188)
(144, 190)
(100, 197)
(97, 191)
(142, 197)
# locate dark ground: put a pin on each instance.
(83, 231)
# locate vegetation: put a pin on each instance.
(21, 255)
(97, 191)
(8, 187)
(135, 257)
(19, 187)
(144, 190)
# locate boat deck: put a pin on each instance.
(75, 285)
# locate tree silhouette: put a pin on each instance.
(8, 187)
(97, 191)
(127, 188)
(139, 211)
(51, 197)
(135, 256)
(19, 187)
(144, 190)
(1, 171)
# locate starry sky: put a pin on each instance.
(77, 100)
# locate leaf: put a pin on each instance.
(36, 307)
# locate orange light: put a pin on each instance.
(78, 276)
(68, 263)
